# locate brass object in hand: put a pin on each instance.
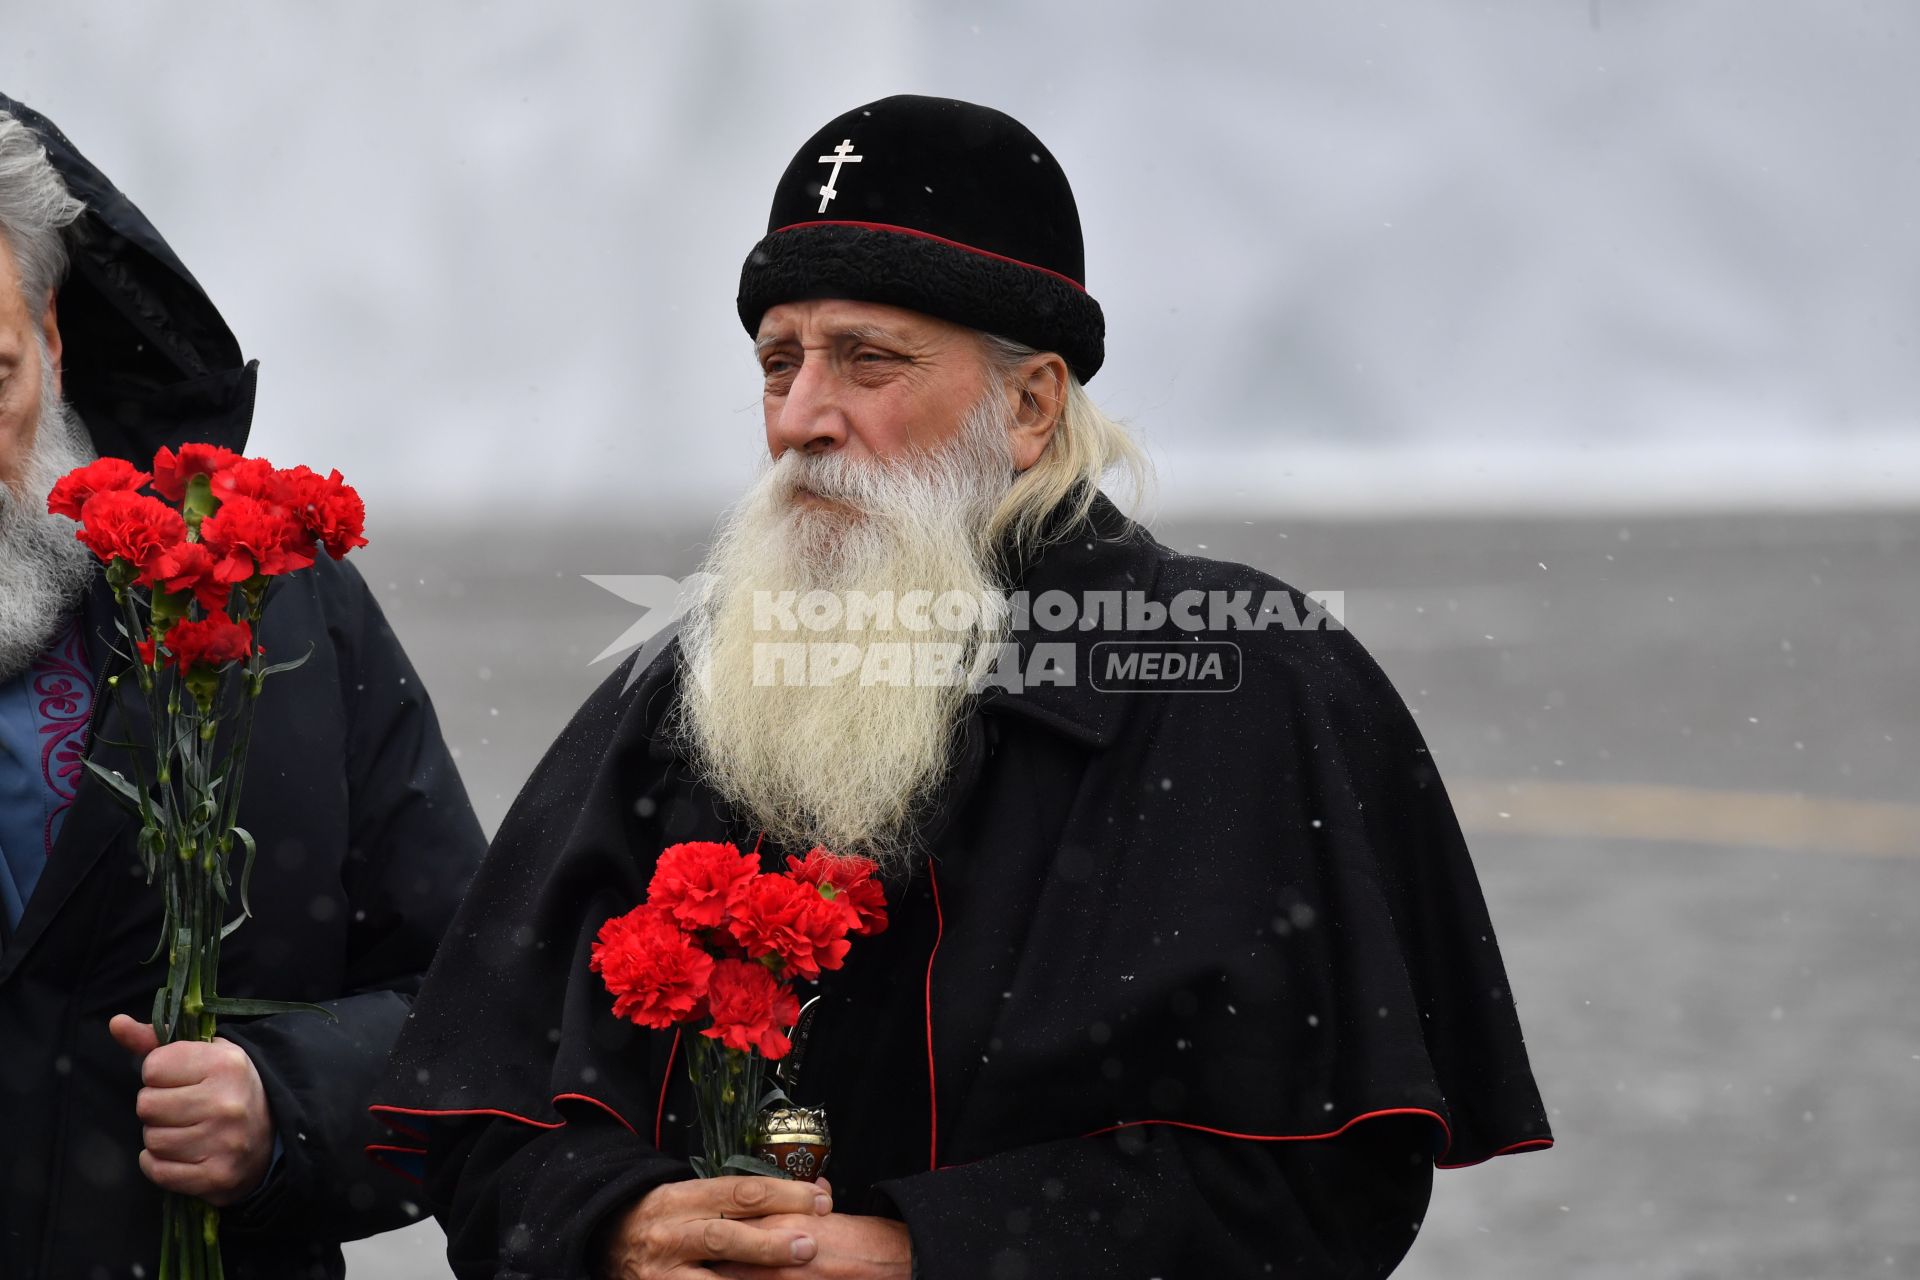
(794, 1140)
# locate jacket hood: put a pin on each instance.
(148, 360)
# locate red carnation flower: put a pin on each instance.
(209, 642)
(749, 1006)
(122, 525)
(788, 919)
(189, 567)
(657, 975)
(108, 475)
(146, 650)
(700, 881)
(171, 470)
(330, 507)
(851, 883)
(249, 536)
(247, 478)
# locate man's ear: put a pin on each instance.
(1040, 391)
(50, 330)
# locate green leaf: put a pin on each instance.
(246, 871)
(176, 989)
(278, 667)
(159, 946)
(700, 1166)
(129, 795)
(152, 844)
(235, 1007)
(754, 1164)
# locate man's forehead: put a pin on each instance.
(830, 319)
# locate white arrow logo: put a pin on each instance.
(664, 600)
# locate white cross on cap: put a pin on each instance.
(839, 157)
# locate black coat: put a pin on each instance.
(366, 843)
(1197, 982)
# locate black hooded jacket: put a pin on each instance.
(1194, 984)
(366, 843)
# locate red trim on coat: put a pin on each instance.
(1531, 1144)
(933, 1090)
(928, 235)
(373, 1153)
(401, 1127)
(1528, 1145)
(383, 1111)
(665, 1077)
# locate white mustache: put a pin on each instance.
(843, 764)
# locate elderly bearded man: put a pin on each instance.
(365, 837)
(1192, 983)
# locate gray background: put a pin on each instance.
(1354, 254)
(1575, 341)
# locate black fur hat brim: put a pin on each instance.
(900, 267)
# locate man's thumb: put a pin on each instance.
(133, 1035)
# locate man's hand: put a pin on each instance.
(208, 1131)
(677, 1226)
(849, 1247)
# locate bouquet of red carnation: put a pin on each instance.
(189, 563)
(717, 945)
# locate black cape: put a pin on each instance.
(1157, 929)
(366, 843)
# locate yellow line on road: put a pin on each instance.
(1645, 811)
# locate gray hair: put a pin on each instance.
(1086, 444)
(35, 210)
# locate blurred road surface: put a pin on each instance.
(1684, 750)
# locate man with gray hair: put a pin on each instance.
(365, 836)
(1185, 972)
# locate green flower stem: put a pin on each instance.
(187, 817)
(727, 1088)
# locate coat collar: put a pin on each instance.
(1104, 553)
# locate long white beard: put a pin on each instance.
(44, 570)
(848, 763)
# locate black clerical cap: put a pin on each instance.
(942, 207)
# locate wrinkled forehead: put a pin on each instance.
(847, 319)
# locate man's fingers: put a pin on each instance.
(747, 1197)
(719, 1240)
(132, 1034)
(183, 1062)
(187, 1178)
(188, 1144)
(172, 1108)
(678, 1225)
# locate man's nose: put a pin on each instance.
(811, 418)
